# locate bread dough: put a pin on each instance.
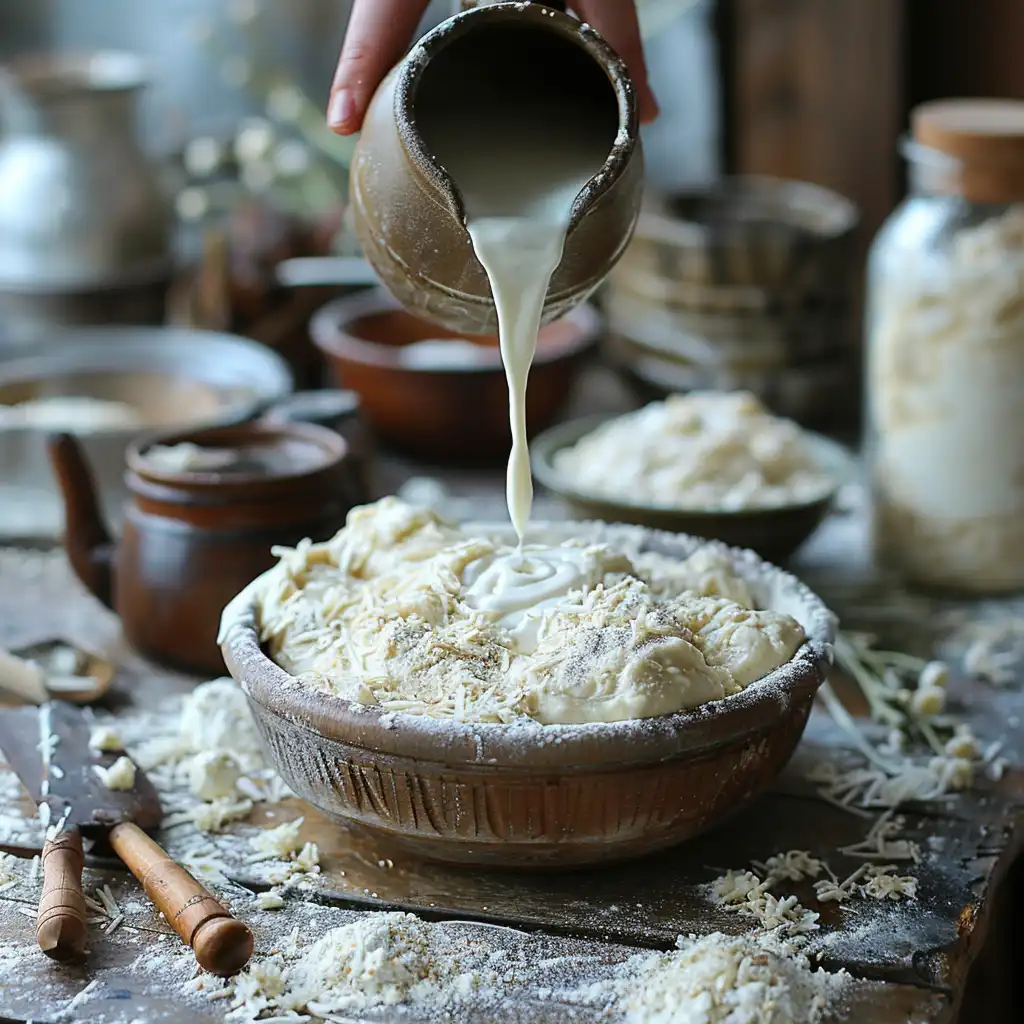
(406, 612)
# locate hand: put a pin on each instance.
(380, 30)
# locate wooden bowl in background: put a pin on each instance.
(746, 284)
(527, 795)
(445, 409)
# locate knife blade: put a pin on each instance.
(48, 748)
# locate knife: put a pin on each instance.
(48, 749)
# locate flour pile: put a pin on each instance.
(723, 979)
(395, 959)
(379, 960)
(213, 754)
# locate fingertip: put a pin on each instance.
(343, 112)
(647, 105)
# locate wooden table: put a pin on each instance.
(942, 957)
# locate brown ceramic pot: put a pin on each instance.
(192, 539)
(445, 412)
(546, 796)
(408, 213)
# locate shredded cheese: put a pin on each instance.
(119, 776)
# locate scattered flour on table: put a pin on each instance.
(8, 874)
(721, 979)
(105, 738)
(389, 965)
(203, 754)
(378, 960)
(397, 960)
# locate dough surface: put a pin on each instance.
(394, 611)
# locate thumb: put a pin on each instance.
(616, 20)
(378, 34)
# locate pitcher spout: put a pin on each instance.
(89, 547)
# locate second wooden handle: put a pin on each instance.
(222, 943)
(60, 922)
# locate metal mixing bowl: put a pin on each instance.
(174, 377)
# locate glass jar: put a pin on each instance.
(945, 355)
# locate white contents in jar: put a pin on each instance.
(187, 457)
(945, 373)
(706, 450)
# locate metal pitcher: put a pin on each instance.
(408, 212)
(85, 230)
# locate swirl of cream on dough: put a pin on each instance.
(522, 579)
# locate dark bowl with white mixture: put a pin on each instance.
(774, 532)
(438, 395)
(534, 796)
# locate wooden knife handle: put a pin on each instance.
(60, 923)
(222, 944)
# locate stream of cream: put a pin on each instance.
(518, 185)
(519, 255)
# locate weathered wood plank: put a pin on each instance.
(817, 95)
(930, 943)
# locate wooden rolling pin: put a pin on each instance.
(222, 944)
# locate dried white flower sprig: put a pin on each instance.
(908, 695)
(903, 692)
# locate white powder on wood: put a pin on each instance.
(378, 960)
(279, 842)
(212, 775)
(105, 738)
(721, 979)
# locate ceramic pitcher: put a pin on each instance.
(408, 213)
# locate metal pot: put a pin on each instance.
(85, 230)
(174, 377)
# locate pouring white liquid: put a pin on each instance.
(519, 171)
(519, 255)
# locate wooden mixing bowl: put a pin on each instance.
(530, 795)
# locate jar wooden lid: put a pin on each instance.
(985, 138)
